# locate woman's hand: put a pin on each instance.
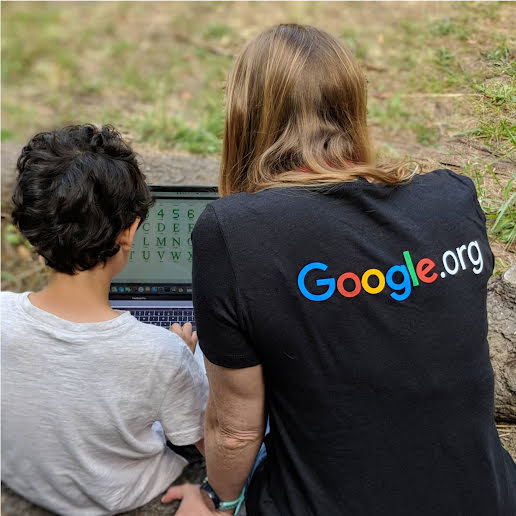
(185, 332)
(192, 501)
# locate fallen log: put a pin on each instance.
(501, 311)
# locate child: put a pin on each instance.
(83, 384)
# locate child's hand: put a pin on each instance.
(185, 332)
(192, 501)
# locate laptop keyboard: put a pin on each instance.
(165, 317)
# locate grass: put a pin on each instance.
(502, 58)
(157, 74)
(450, 27)
(390, 113)
(394, 115)
(500, 209)
(6, 135)
(350, 38)
(504, 216)
(83, 58)
(216, 31)
(425, 134)
(167, 131)
(499, 94)
(81, 66)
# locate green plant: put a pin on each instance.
(442, 71)
(120, 48)
(499, 55)
(6, 135)
(410, 28)
(165, 131)
(389, 113)
(354, 43)
(498, 93)
(503, 226)
(13, 236)
(449, 27)
(494, 134)
(481, 10)
(500, 209)
(426, 135)
(216, 31)
(502, 57)
(444, 58)
(499, 267)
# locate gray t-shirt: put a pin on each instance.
(79, 403)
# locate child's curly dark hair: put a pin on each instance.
(77, 189)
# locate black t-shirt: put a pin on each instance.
(366, 306)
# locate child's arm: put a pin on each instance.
(181, 413)
(185, 332)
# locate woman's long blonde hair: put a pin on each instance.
(296, 115)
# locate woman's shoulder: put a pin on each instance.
(445, 175)
(439, 187)
(241, 199)
(444, 187)
(270, 199)
(240, 206)
(435, 180)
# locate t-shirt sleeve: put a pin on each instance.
(217, 301)
(181, 412)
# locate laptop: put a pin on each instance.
(156, 284)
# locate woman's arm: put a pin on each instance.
(235, 426)
(235, 414)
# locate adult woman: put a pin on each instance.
(344, 300)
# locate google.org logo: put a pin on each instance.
(400, 278)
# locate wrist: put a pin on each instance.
(209, 504)
(215, 504)
(207, 500)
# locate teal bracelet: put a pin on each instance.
(225, 506)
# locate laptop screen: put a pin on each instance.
(160, 263)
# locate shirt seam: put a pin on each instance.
(42, 322)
